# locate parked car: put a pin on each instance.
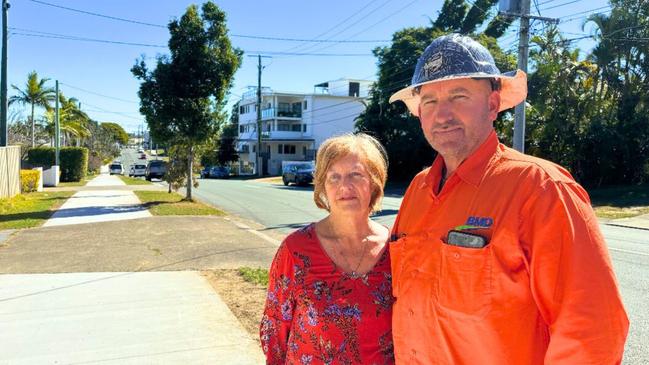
(116, 168)
(205, 172)
(137, 170)
(155, 169)
(299, 174)
(139, 150)
(142, 156)
(219, 172)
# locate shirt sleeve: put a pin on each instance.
(278, 313)
(572, 278)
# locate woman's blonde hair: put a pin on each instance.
(372, 155)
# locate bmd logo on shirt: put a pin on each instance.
(482, 222)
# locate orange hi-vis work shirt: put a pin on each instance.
(542, 291)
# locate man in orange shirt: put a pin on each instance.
(497, 256)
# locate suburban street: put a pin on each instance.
(284, 209)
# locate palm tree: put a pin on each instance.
(36, 94)
(72, 121)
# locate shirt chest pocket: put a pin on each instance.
(465, 280)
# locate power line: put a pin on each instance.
(286, 39)
(560, 5)
(98, 94)
(373, 25)
(98, 15)
(39, 34)
(353, 24)
(370, 2)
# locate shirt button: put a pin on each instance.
(414, 352)
(456, 256)
(411, 312)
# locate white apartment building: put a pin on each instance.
(294, 125)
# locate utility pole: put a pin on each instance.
(4, 140)
(521, 9)
(260, 152)
(57, 131)
(523, 49)
(260, 160)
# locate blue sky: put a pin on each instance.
(98, 73)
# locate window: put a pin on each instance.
(354, 89)
(304, 105)
(289, 149)
(296, 127)
(303, 127)
(245, 148)
(279, 149)
(304, 150)
(244, 109)
(240, 129)
(254, 149)
(286, 127)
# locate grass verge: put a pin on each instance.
(163, 203)
(30, 210)
(134, 180)
(255, 276)
(620, 201)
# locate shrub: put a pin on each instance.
(94, 163)
(74, 163)
(42, 157)
(29, 180)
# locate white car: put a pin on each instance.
(137, 170)
(116, 168)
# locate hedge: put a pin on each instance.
(74, 163)
(29, 180)
(43, 157)
(73, 160)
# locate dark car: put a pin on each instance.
(299, 174)
(205, 172)
(219, 172)
(155, 169)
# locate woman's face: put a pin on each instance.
(348, 186)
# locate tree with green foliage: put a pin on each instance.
(184, 96)
(116, 132)
(36, 94)
(392, 124)
(72, 121)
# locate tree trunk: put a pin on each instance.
(33, 128)
(190, 167)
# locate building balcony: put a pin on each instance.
(272, 113)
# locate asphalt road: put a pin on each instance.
(284, 209)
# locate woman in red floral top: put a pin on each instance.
(330, 293)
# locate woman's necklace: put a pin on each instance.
(354, 274)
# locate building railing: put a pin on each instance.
(280, 113)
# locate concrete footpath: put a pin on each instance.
(103, 281)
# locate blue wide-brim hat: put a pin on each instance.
(455, 56)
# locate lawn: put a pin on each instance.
(163, 203)
(30, 210)
(134, 180)
(620, 201)
(255, 276)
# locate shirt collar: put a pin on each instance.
(470, 170)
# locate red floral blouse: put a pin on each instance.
(317, 314)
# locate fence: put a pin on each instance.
(9, 171)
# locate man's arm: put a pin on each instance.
(572, 278)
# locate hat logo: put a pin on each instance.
(434, 63)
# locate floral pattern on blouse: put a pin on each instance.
(317, 314)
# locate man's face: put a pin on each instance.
(457, 116)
